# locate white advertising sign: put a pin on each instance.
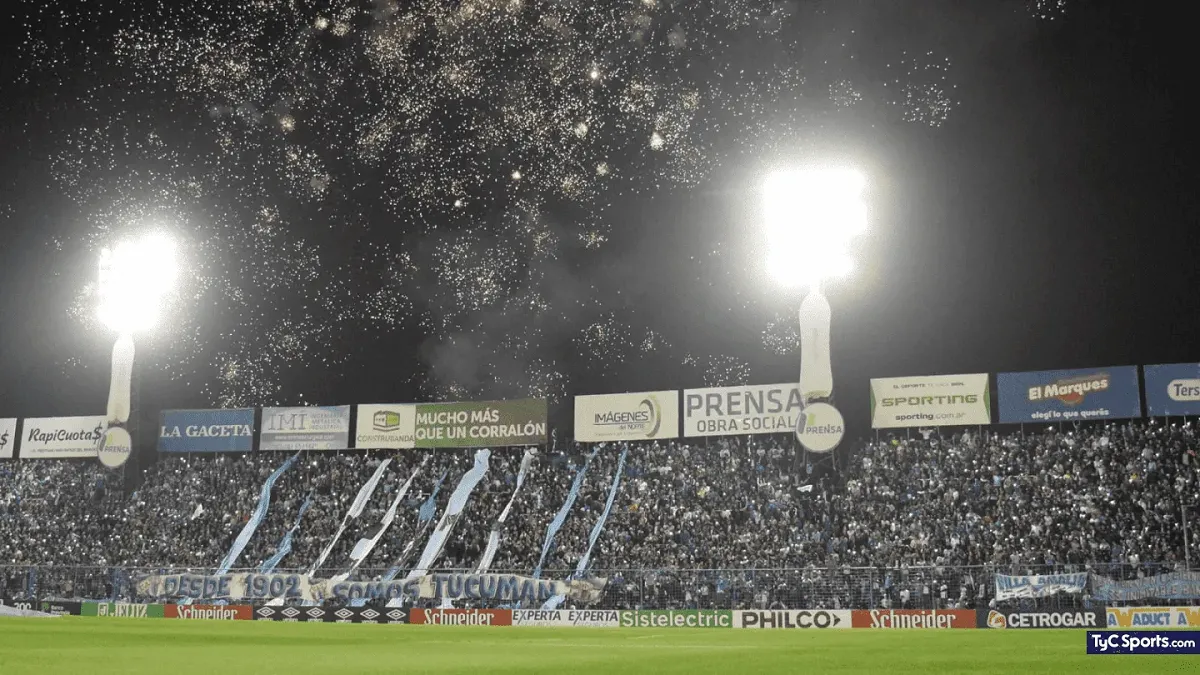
(627, 417)
(930, 401)
(62, 437)
(8, 437)
(386, 425)
(821, 428)
(309, 428)
(116, 448)
(752, 409)
(560, 618)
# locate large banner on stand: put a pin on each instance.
(308, 428)
(1069, 395)
(627, 417)
(752, 409)
(930, 401)
(386, 425)
(481, 424)
(206, 430)
(1172, 389)
(8, 437)
(61, 437)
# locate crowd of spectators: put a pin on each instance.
(916, 519)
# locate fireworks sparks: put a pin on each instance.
(921, 89)
(781, 335)
(1047, 10)
(341, 169)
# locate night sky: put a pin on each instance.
(394, 201)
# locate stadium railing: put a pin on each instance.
(928, 587)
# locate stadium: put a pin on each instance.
(463, 336)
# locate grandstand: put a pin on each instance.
(733, 523)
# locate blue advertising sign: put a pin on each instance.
(1173, 389)
(1069, 395)
(206, 431)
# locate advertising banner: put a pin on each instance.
(913, 618)
(1143, 642)
(930, 401)
(123, 610)
(506, 588)
(212, 612)
(1069, 618)
(461, 617)
(61, 437)
(61, 608)
(480, 424)
(19, 604)
(308, 428)
(792, 618)
(331, 614)
(1153, 617)
(821, 429)
(206, 430)
(386, 425)
(627, 417)
(677, 618)
(1171, 586)
(1172, 389)
(1069, 395)
(571, 618)
(8, 437)
(753, 409)
(1034, 586)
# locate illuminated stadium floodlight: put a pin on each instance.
(812, 216)
(135, 278)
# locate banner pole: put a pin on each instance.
(1187, 556)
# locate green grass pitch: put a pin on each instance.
(167, 647)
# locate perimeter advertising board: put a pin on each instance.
(307, 428)
(61, 437)
(752, 409)
(1069, 395)
(481, 424)
(1060, 618)
(1172, 389)
(8, 437)
(566, 618)
(19, 604)
(206, 430)
(461, 617)
(1153, 617)
(210, 612)
(930, 401)
(627, 417)
(61, 608)
(819, 619)
(677, 618)
(913, 618)
(320, 614)
(123, 610)
(386, 425)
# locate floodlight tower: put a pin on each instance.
(812, 216)
(135, 277)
